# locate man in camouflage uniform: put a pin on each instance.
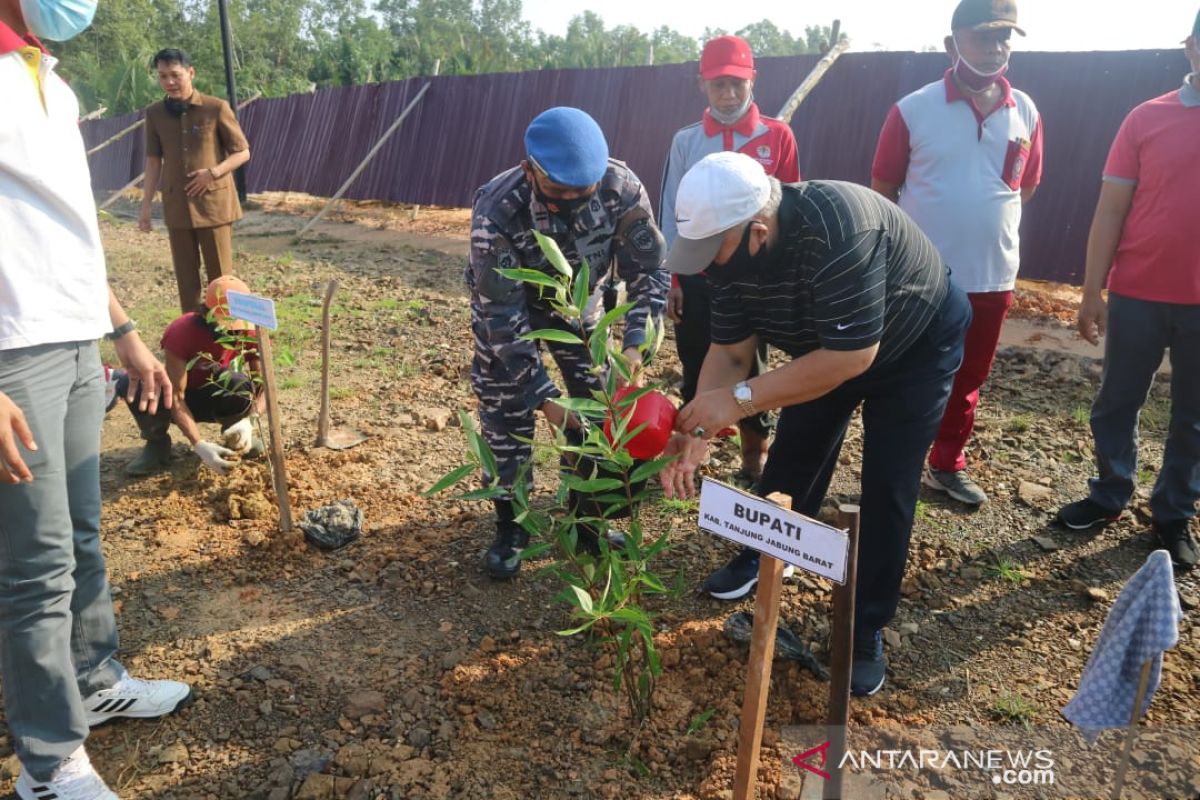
(596, 210)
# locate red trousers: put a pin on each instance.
(990, 309)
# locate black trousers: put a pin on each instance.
(902, 404)
(694, 334)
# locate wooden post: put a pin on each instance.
(278, 467)
(97, 114)
(813, 78)
(323, 418)
(363, 164)
(120, 134)
(1123, 766)
(112, 198)
(437, 67)
(842, 656)
(758, 668)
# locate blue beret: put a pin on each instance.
(568, 145)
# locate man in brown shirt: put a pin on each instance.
(193, 145)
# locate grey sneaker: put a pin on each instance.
(956, 484)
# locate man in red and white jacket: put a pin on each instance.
(961, 156)
(731, 122)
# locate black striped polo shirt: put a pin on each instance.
(849, 270)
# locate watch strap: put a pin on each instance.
(121, 330)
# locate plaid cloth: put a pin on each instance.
(1142, 624)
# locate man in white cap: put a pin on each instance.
(842, 281)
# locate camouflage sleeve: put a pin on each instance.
(640, 251)
(499, 315)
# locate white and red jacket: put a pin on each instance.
(961, 174)
(768, 141)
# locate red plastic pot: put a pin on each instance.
(655, 411)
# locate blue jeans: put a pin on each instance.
(902, 407)
(57, 631)
(1138, 333)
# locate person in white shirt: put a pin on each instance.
(58, 636)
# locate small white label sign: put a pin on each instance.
(252, 308)
(774, 531)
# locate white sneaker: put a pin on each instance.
(130, 697)
(74, 780)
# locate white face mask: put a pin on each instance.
(975, 79)
(730, 119)
(58, 20)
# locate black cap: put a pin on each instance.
(984, 15)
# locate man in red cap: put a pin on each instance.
(731, 122)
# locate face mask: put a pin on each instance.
(731, 119)
(175, 107)
(741, 263)
(58, 20)
(972, 78)
(563, 209)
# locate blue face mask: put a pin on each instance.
(58, 20)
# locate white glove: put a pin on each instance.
(214, 456)
(239, 435)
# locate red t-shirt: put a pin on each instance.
(1158, 149)
(190, 336)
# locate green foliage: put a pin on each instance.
(1013, 708)
(286, 46)
(606, 592)
(1007, 570)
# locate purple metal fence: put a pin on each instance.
(468, 128)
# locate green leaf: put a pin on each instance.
(486, 493)
(583, 599)
(650, 469)
(580, 288)
(609, 318)
(554, 255)
(553, 335)
(591, 485)
(449, 479)
(581, 405)
(534, 276)
(580, 629)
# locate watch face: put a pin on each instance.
(742, 392)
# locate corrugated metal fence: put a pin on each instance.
(468, 128)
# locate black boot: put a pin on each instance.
(156, 453)
(503, 558)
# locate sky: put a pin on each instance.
(890, 25)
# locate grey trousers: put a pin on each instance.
(57, 631)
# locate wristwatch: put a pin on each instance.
(745, 398)
(121, 330)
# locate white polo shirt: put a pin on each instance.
(53, 286)
(961, 176)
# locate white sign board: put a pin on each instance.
(774, 531)
(252, 308)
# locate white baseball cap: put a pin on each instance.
(721, 192)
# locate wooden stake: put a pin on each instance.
(323, 419)
(437, 67)
(118, 135)
(97, 114)
(842, 657)
(1123, 766)
(812, 79)
(363, 164)
(278, 467)
(112, 198)
(758, 669)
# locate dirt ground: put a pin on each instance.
(396, 669)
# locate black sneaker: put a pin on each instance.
(869, 668)
(1086, 513)
(736, 579)
(503, 558)
(1177, 540)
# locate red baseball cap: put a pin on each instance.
(726, 56)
